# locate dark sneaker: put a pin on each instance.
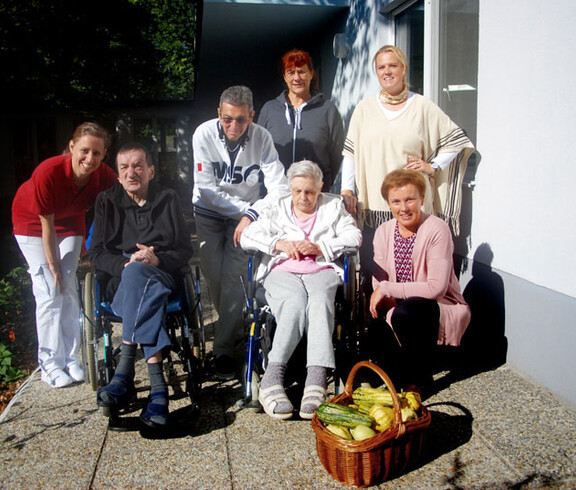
(225, 368)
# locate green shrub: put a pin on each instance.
(8, 373)
(17, 327)
(13, 287)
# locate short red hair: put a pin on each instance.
(295, 58)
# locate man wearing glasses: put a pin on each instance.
(235, 164)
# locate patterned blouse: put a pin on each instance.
(403, 248)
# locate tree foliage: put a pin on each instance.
(70, 54)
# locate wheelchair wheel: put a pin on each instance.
(194, 383)
(350, 285)
(195, 317)
(179, 332)
(349, 322)
(88, 322)
(252, 390)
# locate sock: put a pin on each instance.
(157, 381)
(317, 375)
(126, 363)
(274, 375)
(122, 382)
(157, 408)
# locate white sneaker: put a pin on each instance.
(56, 378)
(75, 371)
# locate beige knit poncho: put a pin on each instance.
(378, 145)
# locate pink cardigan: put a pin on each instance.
(433, 273)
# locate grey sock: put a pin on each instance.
(274, 375)
(126, 363)
(157, 381)
(317, 375)
(158, 394)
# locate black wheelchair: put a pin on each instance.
(260, 326)
(184, 323)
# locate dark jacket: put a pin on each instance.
(160, 224)
(319, 135)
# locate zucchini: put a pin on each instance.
(332, 413)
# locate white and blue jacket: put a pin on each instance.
(223, 190)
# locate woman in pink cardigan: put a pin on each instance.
(415, 288)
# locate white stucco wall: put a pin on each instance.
(366, 30)
(525, 197)
(524, 201)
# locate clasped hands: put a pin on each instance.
(144, 254)
(298, 249)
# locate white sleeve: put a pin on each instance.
(348, 179)
(260, 234)
(442, 160)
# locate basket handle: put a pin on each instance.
(349, 388)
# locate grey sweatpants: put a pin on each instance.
(303, 303)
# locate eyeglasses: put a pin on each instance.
(228, 120)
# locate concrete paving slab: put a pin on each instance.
(51, 437)
(58, 438)
(492, 430)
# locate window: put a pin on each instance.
(440, 39)
(458, 62)
(409, 35)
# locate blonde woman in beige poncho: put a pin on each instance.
(400, 129)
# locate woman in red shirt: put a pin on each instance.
(48, 216)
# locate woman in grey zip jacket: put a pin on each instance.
(304, 124)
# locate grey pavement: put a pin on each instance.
(492, 430)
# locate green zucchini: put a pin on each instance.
(332, 413)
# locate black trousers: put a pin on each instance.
(405, 350)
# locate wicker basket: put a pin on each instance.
(379, 458)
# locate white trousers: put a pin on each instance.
(57, 312)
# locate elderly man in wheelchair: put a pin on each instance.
(141, 243)
(301, 237)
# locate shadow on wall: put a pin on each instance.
(484, 344)
(461, 242)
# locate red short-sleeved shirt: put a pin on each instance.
(51, 190)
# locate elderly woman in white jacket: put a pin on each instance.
(302, 236)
